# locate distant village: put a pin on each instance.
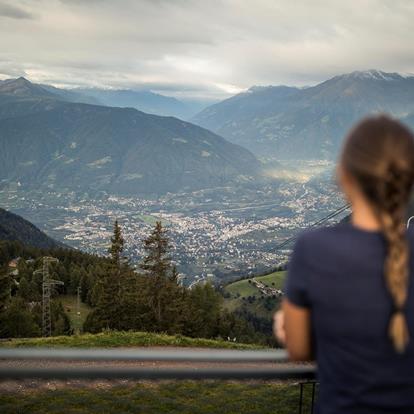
(214, 236)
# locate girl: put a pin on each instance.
(349, 295)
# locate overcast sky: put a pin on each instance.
(202, 48)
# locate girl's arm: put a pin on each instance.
(292, 327)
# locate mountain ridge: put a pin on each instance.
(53, 143)
(144, 100)
(15, 228)
(308, 123)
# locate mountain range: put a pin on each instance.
(142, 99)
(48, 141)
(16, 228)
(308, 123)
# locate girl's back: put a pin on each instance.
(338, 273)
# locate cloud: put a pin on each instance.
(204, 49)
(14, 12)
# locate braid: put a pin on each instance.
(379, 156)
(394, 193)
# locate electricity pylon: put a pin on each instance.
(78, 313)
(46, 288)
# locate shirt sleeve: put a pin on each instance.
(296, 284)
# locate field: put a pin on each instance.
(244, 288)
(69, 303)
(125, 339)
(184, 397)
(244, 294)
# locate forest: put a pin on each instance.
(124, 296)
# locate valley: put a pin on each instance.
(218, 233)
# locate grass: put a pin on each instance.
(243, 288)
(184, 397)
(69, 303)
(113, 339)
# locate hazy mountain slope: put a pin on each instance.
(125, 151)
(14, 227)
(144, 100)
(234, 111)
(309, 123)
(71, 95)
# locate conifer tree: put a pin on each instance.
(4, 288)
(107, 313)
(117, 245)
(157, 262)
(163, 293)
(17, 321)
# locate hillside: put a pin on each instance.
(245, 295)
(19, 97)
(125, 339)
(143, 100)
(49, 142)
(256, 300)
(16, 228)
(309, 123)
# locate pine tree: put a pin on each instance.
(157, 262)
(117, 245)
(162, 293)
(107, 291)
(204, 308)
(24, 290)
(17, 321)
(5, 286)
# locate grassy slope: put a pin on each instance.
(184, 397)
(124, 339)
(69, 303)
(244, 289)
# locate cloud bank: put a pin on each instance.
(201, 49)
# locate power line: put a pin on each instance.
(315, 224)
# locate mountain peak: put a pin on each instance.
(21, 79)
(372, 74)
(22, 87)
(260, 88)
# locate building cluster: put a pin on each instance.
(266, 290)
(221, 232)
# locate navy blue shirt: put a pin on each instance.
(337, 272)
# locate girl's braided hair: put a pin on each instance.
(379, 155)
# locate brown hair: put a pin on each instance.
(379, 155)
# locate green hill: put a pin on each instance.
(245, 297)
(245, 287)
